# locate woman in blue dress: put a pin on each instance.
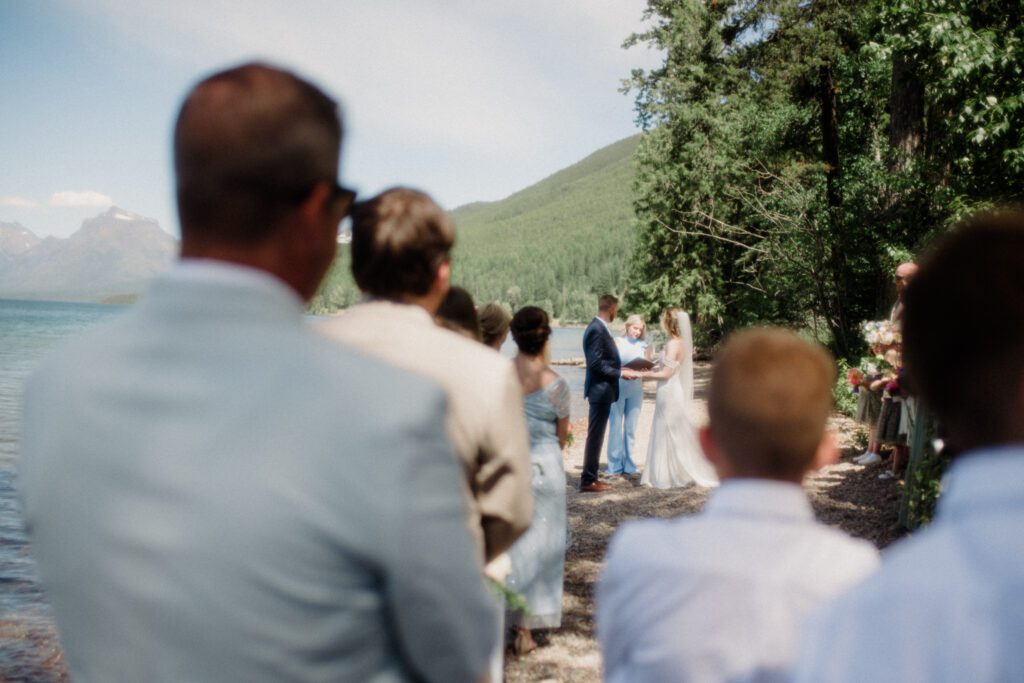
(538, 557)
(626, 410)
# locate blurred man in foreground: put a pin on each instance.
(721, 596)
(948, 604)
(215, 493)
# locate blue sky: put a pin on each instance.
(468, 100)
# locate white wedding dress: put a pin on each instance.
(674, 456)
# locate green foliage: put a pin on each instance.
(557, 244)
(796, 152)
(514, 602)
(338, 290)
(971, 56)
(924, 475)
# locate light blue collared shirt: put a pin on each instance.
(948, 603)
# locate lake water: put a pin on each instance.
(565, 343)
(28, 329)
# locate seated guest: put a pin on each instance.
(538, 558)
(721, 596)
(458, 314)
(494, 321)
(948, 604)
(213, 493)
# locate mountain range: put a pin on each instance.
(557, 244)
(111, 257)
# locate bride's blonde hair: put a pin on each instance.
(670, 322)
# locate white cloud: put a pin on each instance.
(471, 100)
(501, 77)
(19, 202)
(87, 198)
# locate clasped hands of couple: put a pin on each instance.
(630, 373)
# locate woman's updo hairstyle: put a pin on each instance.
(530, 330)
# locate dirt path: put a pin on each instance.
(845, 495)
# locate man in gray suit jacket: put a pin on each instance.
(213, 492)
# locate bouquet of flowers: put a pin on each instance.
(855, 376)
(880, 332)
(868, 370)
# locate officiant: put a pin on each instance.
(634, 352)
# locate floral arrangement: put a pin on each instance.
(868, 369)
(880, 332)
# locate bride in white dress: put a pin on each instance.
(674, 456)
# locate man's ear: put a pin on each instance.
(827, 453)
(444, 276)
(308, 246)
(316, 204)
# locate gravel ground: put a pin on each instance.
(844, 495)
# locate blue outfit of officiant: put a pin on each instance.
(625, 412)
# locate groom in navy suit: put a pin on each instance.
(601, 387)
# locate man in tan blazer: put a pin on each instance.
(401, 242)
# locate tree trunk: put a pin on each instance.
(906, 112)
(835, 308)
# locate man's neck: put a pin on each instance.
(605, 316)
(427, 302)
(261, 260)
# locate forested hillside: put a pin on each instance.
(556, 244)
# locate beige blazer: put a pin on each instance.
(485, 419)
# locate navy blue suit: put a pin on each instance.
(601, 389)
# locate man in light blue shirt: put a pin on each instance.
(948, 604)
(721, 596)
(215, 493)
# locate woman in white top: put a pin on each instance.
(674, 456)
(626, 410)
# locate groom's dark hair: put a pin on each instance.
(605, 302)
(769, 402)
(963, 331)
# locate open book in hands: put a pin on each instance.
(639, 364)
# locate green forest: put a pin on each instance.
(555, 244)
(795, 151)
(792, 154)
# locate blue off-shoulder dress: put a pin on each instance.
(538, 557)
